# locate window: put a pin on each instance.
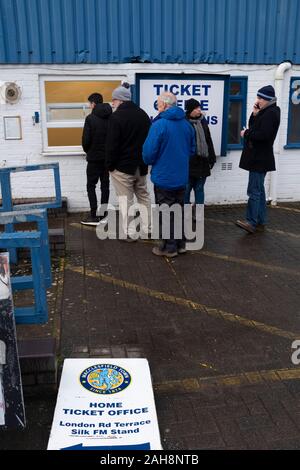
(65, 107)
(293, 134)
(237, 111)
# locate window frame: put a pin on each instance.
(242, 97)
(65, 150)
(294, 145)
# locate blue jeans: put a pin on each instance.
(256, 208)
(197, 184)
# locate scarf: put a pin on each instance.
(202, 148)
(272, 101)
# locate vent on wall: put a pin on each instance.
(10, 92)
(226, 166)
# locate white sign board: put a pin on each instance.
(12, 413)
(105, 404)
(209, 92)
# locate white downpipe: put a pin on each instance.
(279, 76)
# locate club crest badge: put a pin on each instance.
(105, 379)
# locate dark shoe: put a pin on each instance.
(181, 249)
(169, 254)
(89, 220)
(260, 227)
(245, 226)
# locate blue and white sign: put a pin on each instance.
(211, 92)
(105, 405)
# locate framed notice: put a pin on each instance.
(12, 128)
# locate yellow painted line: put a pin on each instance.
(269, 230)
(231, 259)
(291, 209)
(59, 293)
(247, 262)
(84, 227)
(216, 221)
(213, 312)
(208, 219)
(196, 384)
(207, 366)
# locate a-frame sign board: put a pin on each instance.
(12, 414)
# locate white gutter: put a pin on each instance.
(279, 77)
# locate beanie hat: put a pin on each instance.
(190, 105)
(122, 93)
(266, 92)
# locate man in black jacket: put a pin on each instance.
(93, 143)
(203, 161)
(258, 157)
(127, 131)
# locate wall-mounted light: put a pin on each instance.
(36, 118)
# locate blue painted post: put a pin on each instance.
(46, 257)
(57, 186)
(7, 205)
(41, 308)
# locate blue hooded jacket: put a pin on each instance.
(168, 148)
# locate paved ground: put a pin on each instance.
(216, 327)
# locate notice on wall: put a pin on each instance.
(105, 404)
(12, 414)
(208, 90)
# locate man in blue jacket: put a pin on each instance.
(168, 147)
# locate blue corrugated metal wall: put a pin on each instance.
(166, 31)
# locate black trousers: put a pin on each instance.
(95, 171)
(170, 197)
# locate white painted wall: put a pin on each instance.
(223, 187)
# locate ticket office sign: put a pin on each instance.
(211, 91)
(105, 404)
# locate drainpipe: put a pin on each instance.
(279, 76)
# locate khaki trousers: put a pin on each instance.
(126, 187)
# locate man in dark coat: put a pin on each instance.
(258, 157)
(128, 129)
(204, 159)
(93, 143)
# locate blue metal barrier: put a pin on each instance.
(39, 216)
(7, 199)
(32, 240)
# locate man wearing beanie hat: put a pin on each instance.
(127, 130)
(204, 159)
(258, 156)
(122, 93)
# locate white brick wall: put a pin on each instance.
(223, 187)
